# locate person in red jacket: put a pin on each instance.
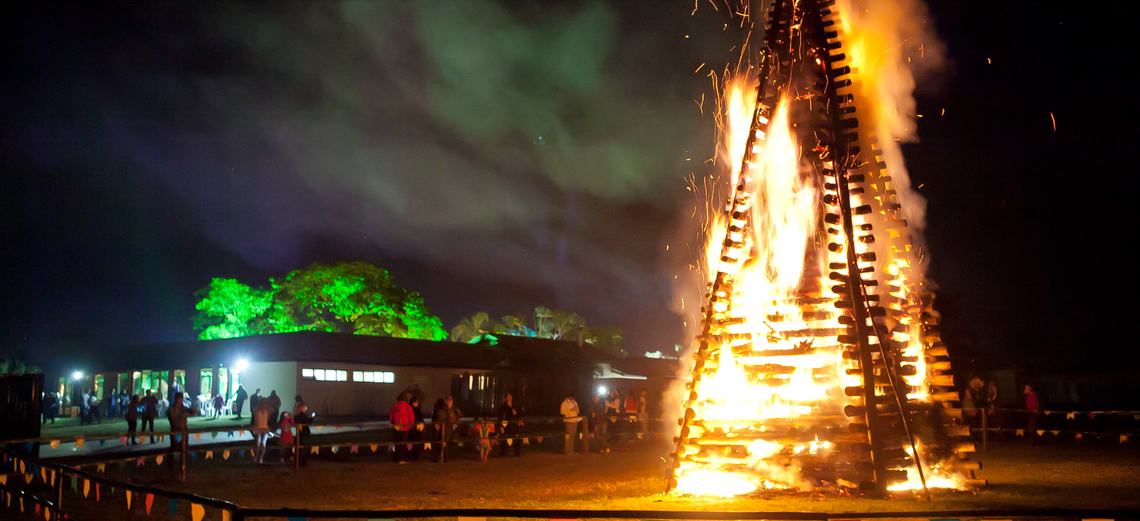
(403, 419)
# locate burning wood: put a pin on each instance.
(819, 364)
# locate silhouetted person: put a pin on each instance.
(179, 415)
(132, 417)
(239, 400)
(509, 415)
(275, 409)
(150, 412)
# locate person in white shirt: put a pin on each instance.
(571, 418)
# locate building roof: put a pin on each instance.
(304, 346)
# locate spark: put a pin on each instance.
(1054, 121)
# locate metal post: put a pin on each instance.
(185, 443)
(585, 435)
(985, 437)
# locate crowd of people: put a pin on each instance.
(608, 415)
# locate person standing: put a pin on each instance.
(254, 402)
(287, 425)
(1033, 408)
(598, 421)
(571, 418)
(178, 415)
(260, 423)
(274, 408)
(132, 417)
(149, 413)
(416, 435)
(85, 407)
(239, 400)
(509, 420)
(438, 424)
(402, 420)
(219, 404)
(643, 413)
(303, 419)
(50, 405)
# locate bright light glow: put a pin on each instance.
(78, 375)
(602, 390)
(241, 365)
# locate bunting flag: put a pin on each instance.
(78, 444)
(374, 447)
(21, 466)
(140, 462)
(197, 512)
(149, 501)
(510, 442)
(225, 515)
(1079, 436)
(335, 448)
(1070, 416)
(194, 456)
(1021, 432)
(214, 434)
(1040, 432)
(52, 473)
(427, 446)
(74, 484)
(21, 504)
(96, 492)
(1092, 415)
(43, 475)
(3, 479)
(318, 427)
(47, 514)
(1124, 438)
(102, 467)
(197, 436)
(37, 510)
(173, 506)
(241, 432)
(410, 445)
(54, 443)
(158, 459)
(314, 450)
(161, 438)
(353, 449)
(102, 442)
(123, 440)
(526, 441)
(128, 500)
(225, 454)
(177, 438)
(1055, 432)
(241, 453)
(209, 454)
(86, 487)
(230, 434)
(540, 439)
(29, 477)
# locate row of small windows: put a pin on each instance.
(336, 375)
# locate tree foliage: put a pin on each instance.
(347, 297)
(17, 367)
(554, 324)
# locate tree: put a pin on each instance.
(474, 327)
(17, 367)
(230, 309)
(347, 297)
(606, 339)
(354, 297)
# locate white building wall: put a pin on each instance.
(271, 376)
(367, 398)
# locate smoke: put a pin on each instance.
(541, 147)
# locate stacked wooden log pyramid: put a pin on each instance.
(845, 381)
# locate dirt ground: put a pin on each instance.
(1020, 476)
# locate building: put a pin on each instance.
(343, 374)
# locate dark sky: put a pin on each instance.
(496, 156)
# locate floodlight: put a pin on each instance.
(241, 365)
(78, 375)
(602, 390)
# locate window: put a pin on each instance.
(326, 375)
(379, 377)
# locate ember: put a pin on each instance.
(819, 335)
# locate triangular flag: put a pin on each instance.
(353, 449)
(96, 492)
(1047, 413)
(1071, 416)
(194, 456)
(335, 448)
(230, 434)
(173, 506)
(37, 509)
(241, 432)
(1092, 415)
(1040, 432)
(1079, 436)
(140, 462)
(122, 440)
(225, 454)
(241, 453)
(86, 487)
(1055, 432)
(427, 446)
(579, 435)
(526, 441)
(373, 447)
(510, 442)
(214, 434)
(52, 473)
(1136, 416)
(54, 443)
(540, 439)
(102, 442)
(1123, 438)
(225, 515)
(102, 467)
(22, 466)
(29, 477)
(74, 484)
(3, 479)
(177, 438)
(313, 450)
(149, 502)
(21, 504)
(410, 446)
(43, 474)
(209, 454)
(318, 427)
(128, 500)
(78, 443)
(197, 512)
(158, 459)
(47, 514)
(1021, 432)
(161, 438)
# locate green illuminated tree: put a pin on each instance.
(473, 327)
(230, 309)
(353, 297)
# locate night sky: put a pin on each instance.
(496, 156)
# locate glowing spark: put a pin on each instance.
(1054, 121)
